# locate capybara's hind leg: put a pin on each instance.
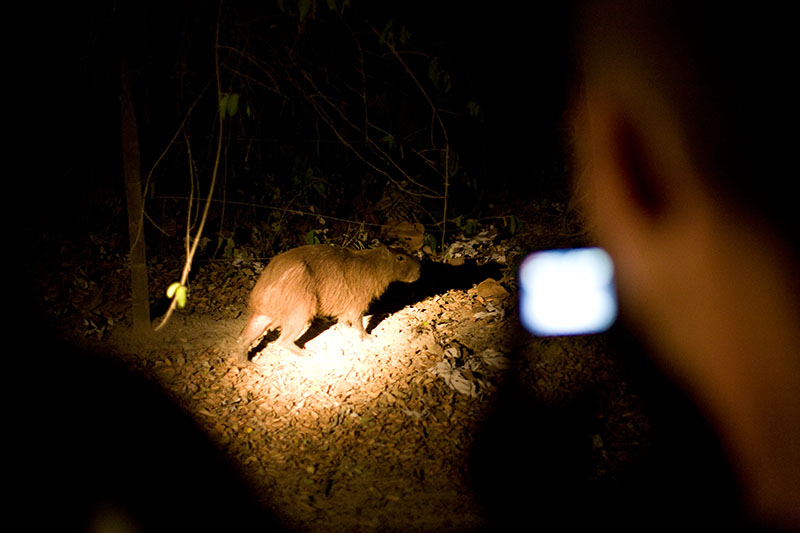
(254, 328)
(291, 330)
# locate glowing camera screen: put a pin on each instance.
(567, 292)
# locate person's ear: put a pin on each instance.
(640, 176)
(638, 167)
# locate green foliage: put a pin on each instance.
(469, 226)
(391, 142)
(431, 242)
(389, 39)
(439, 77)
(304, 7)
(513, 224)
(453, 162)
(338, 6)
(227, 245)
(312, 238)
(177, 291)
(307, 181)
(474, 109)
(388, 140)
(468, 180)
(307, 8)
(229, 105)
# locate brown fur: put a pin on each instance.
(304, 282)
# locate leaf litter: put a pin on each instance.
(377, 435)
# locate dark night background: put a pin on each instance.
(510, 62)
(510, 58)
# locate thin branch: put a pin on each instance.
(193, 249)
(158, 161)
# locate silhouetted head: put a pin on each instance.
(680, 122)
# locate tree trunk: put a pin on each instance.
(133, 192)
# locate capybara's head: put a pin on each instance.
(402, 266)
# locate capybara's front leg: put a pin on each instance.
(356, 321)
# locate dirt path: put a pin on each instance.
(372, 436)
(375, 436)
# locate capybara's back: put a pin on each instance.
(304, 282)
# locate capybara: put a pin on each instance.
(308, 281)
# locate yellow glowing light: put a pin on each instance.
(337, 365)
